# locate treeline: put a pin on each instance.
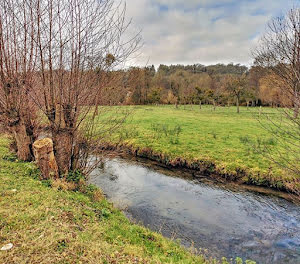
(196, 84)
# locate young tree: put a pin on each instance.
(211, 96)
(200, 95)
(236, 86)
(213, 87)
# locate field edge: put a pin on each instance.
(209, 168)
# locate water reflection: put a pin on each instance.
(227, 223)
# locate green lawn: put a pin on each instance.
(51, 226)
(230, 140)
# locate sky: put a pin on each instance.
(201, 31)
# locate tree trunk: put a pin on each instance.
(62, 140)
(296, 104)
(296, 112)
(97, 110)
(260, 111)
(214, 103)
(200, 104)
(75, 158)
(44, 156)
(237, 104)
(23, 142)
(247, 105)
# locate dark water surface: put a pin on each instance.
(208, 216)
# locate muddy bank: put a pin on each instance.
(207, 168)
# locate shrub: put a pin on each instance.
(75, 176)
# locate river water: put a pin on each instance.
(218, 220)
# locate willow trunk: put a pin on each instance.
(23, 141)
(62, 143)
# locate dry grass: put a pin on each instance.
(62, 184)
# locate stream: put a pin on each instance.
(218, 220)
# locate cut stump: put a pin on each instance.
(44, 156)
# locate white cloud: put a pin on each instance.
(200, 31)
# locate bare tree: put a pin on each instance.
(78, 42)
(17, 65)
(236, 86)
(279, 54)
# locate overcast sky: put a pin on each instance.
(201, 31)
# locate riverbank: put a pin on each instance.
(46, 225)
(219, 143)
(207, 168)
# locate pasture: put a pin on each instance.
(231, 141)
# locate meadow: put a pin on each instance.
(232, 142)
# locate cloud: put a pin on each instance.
(201, 31)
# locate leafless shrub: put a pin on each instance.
(279, 53)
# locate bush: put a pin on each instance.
(75, 176)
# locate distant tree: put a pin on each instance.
(256, 73)
(174, 86)
(271, 92)
(200, 95)
(226, 69)
(136, 84)
(169, 98)
(149, 73)
(210, 95)
(236, 86)
(155, 95)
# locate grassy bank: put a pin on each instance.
(223, 141)
(46, 225)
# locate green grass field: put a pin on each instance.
(231, 141)
(46, 225)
